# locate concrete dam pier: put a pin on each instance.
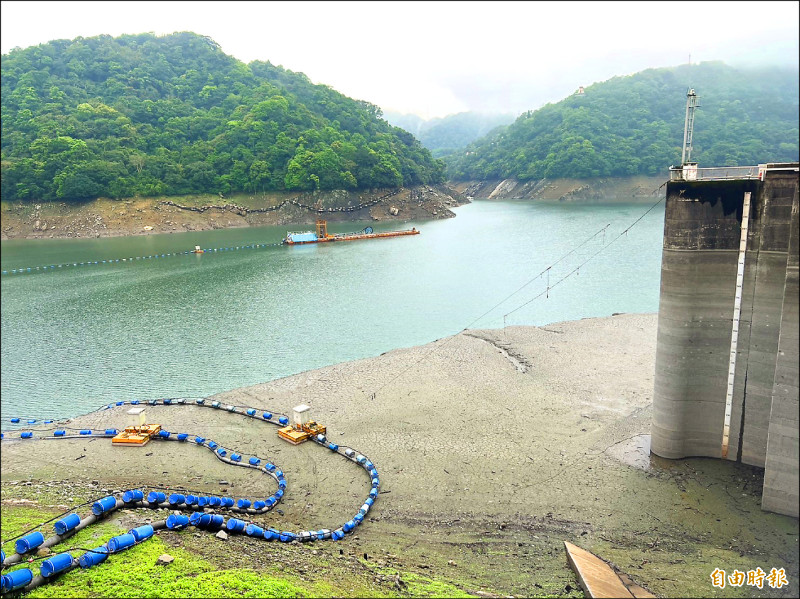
(726, 381)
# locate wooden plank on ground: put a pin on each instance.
(594, 575)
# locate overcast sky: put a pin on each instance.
(439, 58)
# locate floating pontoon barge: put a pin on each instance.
(322, 236)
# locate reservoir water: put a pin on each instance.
(73, 339)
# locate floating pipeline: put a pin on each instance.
(24, 579)
(251, 246)
(131, 259)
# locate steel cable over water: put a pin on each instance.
(202, 506)
(546, 271)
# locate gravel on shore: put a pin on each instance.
(493, 447)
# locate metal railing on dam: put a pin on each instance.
(713, 173)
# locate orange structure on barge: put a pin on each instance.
(322, 236)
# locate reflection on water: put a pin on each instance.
(193, 325)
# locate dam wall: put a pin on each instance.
(726, 381)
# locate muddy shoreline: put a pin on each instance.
(493, 447)
(147, 216)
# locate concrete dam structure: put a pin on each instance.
(726, 381)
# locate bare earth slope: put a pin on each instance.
(493, 446)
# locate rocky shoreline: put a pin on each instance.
(494, 446)
(621, 189)
(144, 216)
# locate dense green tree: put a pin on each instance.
(172, 115)
(634, 125)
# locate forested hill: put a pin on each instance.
(174, 115)
(633, 125)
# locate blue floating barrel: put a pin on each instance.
(243, 503)
(134, 402)
(48, 422)
(177, 521)
(283, 420)
(269, 467)
(360, 459)
(117, 544)
(270, 501)
(55, 564)
(59, 433)
(254, 461)
(167, 402)
(120, 403)
(133, 495)
(236, 525)
(177, 499)
(285, 537)
(15, 420)
(227, 501)
(104, 505)
(266, 415)
(279, 474)
(375, 482)
(194, 519)
(140, 533)
(251, 412)
(373, 493)
(337, 535)
(182, 436)
(212, 445)
(259, 505)
(204, 521)
(199, 440)
(222, 452)
(26, 435)
(32, 421)
(373, 473)
(278, 493)
(16, 579)
(163, 434)
(333, 446)
(28, 542)
(254, 531)
(111, 431)
(217, 521)
(236, 457)
(270, 534)
(66, 524)
(369, 501)
(93, 557)
(86, 431)
(369, 465)
(191, 500)
(202, 501)
(282, 483)
(348, 526)
(156, 497)
(214, 501)
(358, 519)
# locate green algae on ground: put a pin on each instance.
(135, 573)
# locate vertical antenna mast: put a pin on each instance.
(688, 129)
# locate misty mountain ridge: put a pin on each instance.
(446, 135)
